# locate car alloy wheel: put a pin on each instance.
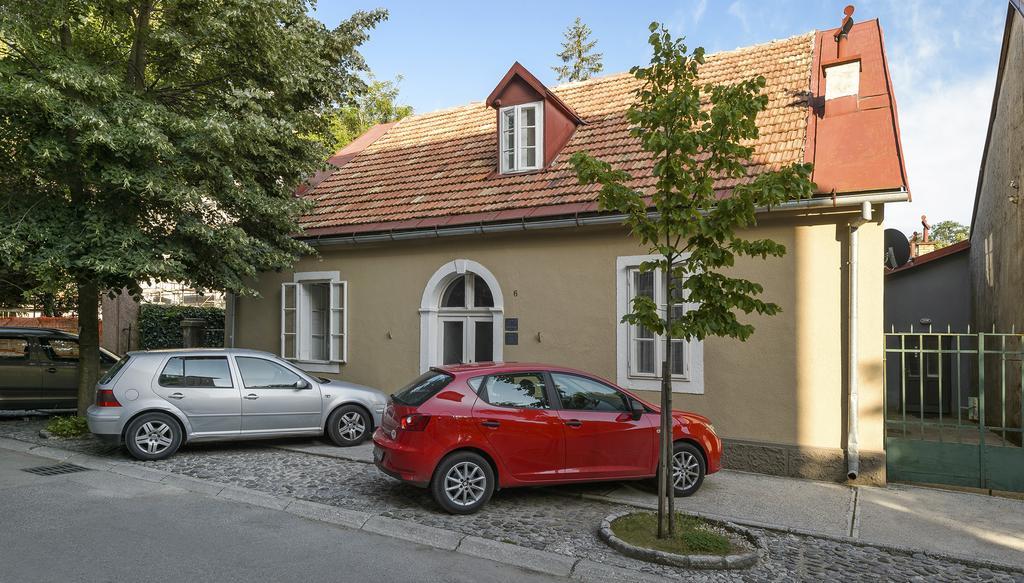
(348, 425)
(352, 427)
(154, 437)
(685, 470)
(465, 484)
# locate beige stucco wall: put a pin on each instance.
(785, 385)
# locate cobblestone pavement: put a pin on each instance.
(538, 518)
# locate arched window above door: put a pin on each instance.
(461, 316)
(467, 291)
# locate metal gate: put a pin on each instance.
(953, 409)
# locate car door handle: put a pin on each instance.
(252, 397)
(175, 396)
(51, 370)
(491, 424)
(574, 423)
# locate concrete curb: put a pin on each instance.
(537, 560)
(743, 560)
(438, 538)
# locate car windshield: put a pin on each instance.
(424, 387)
(113, 370)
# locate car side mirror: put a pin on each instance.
(636, 409)
(302, 385)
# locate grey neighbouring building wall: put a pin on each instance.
(938, 290)
(997, 227)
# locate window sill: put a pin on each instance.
(654, 384)
(317, 365)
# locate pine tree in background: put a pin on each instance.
(578, 62)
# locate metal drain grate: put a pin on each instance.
(55, 470)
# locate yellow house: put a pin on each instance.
(462, 235)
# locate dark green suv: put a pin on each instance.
(39, 368)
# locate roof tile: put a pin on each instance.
(443, 163)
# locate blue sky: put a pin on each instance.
(942, 54)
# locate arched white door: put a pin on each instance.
(461, 316)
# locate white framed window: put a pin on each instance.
(639, 351)
(462, 316)
(521, 137)
(314, 321)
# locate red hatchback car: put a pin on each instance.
(466, 430)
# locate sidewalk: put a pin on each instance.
(970, 526)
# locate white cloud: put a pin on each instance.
(739, 11)
(943, 131)
(683, 22)
(698, 11)
(944, 102)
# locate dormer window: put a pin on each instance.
(533, 123)
(522, 137)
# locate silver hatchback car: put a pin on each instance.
(155, 401)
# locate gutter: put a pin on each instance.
(852, 200)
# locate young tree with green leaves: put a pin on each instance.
(379, 104)
(945, 233)
(162, 140)
(696, 133)
(579, 63)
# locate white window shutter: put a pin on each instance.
(289, 320)
(339, 322)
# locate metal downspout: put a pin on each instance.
(852, 436)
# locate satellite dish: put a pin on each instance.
(897, 248)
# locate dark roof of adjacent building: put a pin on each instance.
(934, 255)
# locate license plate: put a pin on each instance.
(378, 455)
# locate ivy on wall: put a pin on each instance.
(160, 326)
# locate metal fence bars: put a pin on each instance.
(953, 408)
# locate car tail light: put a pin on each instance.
(106, 398)
(415, 422)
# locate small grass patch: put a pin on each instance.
(693, 536)
(68, 426)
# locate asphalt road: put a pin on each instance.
(97, 526)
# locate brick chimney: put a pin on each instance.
(921, 243)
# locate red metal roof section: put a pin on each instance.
(929, 257)
(855, 147)
(344, 155)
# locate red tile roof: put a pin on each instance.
(439, 168)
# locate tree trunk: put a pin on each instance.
(666, 490)
(88, 342)
(136, 76)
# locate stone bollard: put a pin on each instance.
(192, 332)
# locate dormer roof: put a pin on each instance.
(517, 71)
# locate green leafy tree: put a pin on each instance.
(579, 63)
(379, 104)
(946, 233)
(696, 133)
(162, 140)
(20, 290)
